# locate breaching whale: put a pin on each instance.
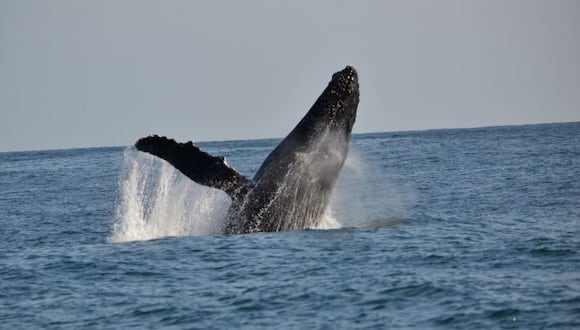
(292, 188)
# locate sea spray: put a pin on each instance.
(156, 200)
(366, 195)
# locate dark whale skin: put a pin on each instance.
(292, 188)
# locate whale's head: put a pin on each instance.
(344, 96)
(336, 107)
(324, 133)
(345, 81)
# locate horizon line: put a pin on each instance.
(281, 137)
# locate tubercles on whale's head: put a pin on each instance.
(345, 80)
(335, 108)
(341, 98)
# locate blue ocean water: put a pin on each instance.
(461, 228)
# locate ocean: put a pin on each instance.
(458, 228)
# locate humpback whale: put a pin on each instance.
(292, 188)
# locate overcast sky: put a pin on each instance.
(104, 73)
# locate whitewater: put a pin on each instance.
(156, 200)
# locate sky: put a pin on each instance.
(105, 73)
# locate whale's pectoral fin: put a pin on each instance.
(199, 166)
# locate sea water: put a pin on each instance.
(461, 228)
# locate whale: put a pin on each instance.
(292, 188)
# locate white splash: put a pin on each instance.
(329, 220)
(366, 195)
(158, 201)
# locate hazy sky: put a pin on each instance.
(104, 73)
